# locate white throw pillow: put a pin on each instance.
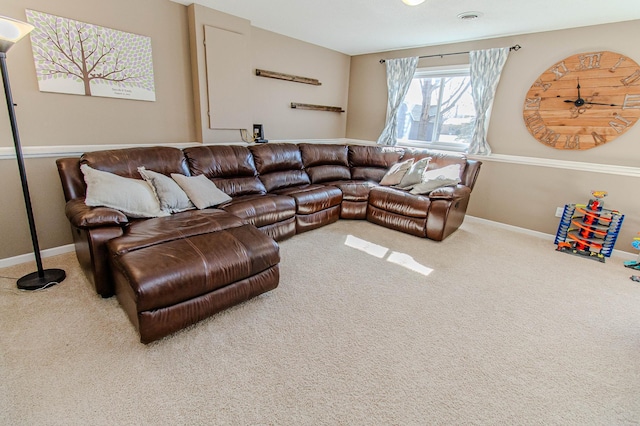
(437, 178)
(428, 186)
(201, 191)
(172, 198)
(414, 174)
(396, 172)
(451, 171)
(133, 197)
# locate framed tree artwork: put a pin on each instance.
(85, 59)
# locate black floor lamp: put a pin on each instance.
(11, 31)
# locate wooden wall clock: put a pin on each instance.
(584, 101)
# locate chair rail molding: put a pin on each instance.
(7, 153)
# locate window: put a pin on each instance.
(438, 110)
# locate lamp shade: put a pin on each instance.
(12, 30)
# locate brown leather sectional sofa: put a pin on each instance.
(170, 272)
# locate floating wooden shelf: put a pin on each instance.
(287, 77)
(316, 107)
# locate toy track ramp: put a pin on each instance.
(588, 230)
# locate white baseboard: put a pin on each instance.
(16, 260)
(618, 253)
(24, 258)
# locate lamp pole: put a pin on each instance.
(10, 32)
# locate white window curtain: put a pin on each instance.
(485, 68)
(399, 76)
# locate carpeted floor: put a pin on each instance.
(490, 326)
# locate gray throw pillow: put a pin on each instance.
(201, 191)
(414, 174)
(172, 198)
(133, 197)
(396, 172)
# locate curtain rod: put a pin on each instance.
(441, 55)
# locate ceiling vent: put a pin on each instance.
(469, 16)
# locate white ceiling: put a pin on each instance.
(365, 26)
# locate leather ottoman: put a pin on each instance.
(167, 282)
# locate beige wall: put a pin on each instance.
(49, 121)
(517, 194)
(271, 99)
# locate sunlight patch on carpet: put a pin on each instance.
(402, 259)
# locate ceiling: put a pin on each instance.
(356, 27)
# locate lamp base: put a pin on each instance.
(34, 281)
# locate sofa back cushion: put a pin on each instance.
(438, 160)
(230, 167)
(279, 165)
(324, 162)
(125, 162)
(370, 162)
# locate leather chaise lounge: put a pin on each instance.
(172, 271)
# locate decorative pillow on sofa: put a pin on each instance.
(414, 174)
(200, 190)
(396, 172)
(172, 198)
(437, 178)
(133, 197)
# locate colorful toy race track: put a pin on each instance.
(589, 230)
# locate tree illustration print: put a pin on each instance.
(76, 57)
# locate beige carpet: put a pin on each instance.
(504, 330)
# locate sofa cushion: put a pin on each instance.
(125, 162)
(372, 162)
(313, 198)
(325, 162)
(146, 233)
(279, 166)
(261, 210)
(439, 159)
(165, 274)
(272, 157)
(133, 197)
(354, 190)
(230, 168)
(400, 202)
(201, 191)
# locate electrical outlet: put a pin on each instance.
(559, 211)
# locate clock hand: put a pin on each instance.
(598, 103)
(590, 103)
(579, 89)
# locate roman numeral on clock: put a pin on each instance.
(621, 59)
(560, 70)
(631, 79)
(535, 122)
(619, 123)
(631, 102)
(549, 137)
(532, 103)
(542, 84)
(598, 139)
(572, 142)
(589, 61)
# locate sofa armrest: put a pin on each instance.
(471, 173)
(82, 216)
(450, 192)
